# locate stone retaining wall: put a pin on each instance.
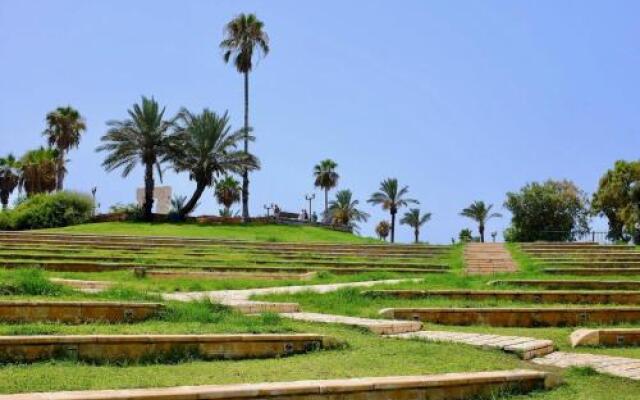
(568, 284)
(456, 386)
(76, 312)
(606, 337)
(518, 317)
(156, 348)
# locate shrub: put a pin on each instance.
(132, 211)
(50, 211)
(30, 282)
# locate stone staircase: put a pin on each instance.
(488, 258)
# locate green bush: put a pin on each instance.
(49, 211)
(29, 281)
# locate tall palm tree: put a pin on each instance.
(38, 171)
(326, 178)
(244, 35)
(145, 138)
(9, 178)
(480, 213)
(392, 198)
(344, 210)
(64, 128)
(227, 192)
(415, 220)
(205, 147)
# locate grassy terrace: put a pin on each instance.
(364, 355)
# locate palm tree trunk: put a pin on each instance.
(191, 204)
(148, 192)
(481, 229)
(4, 197)
(416, 232)
(326, 202)
(60, 171)
(393, 227)
(245, 173)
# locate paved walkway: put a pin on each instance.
(488, 258)
(616, 366)
(378, 326)
(525, 347)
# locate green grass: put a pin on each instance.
(270, 233)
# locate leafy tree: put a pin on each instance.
(613, 198)
(64, 128)
(326, 178)
(415, 220)
(206, 148)
(9, 178)
(344, 210)
(227, 192)
(465, 235)
(244, 36)
(391, 197)
(553, 210)
(382, 230)
(480, 213)
(145, 138)
(38, 171)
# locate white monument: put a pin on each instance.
(161, 198)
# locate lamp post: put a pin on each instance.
(310, 197)
(93, 195)
(268, 208)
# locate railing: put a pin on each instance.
(587, 237)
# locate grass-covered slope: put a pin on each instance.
(271, 233)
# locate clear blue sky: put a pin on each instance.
(460, 100)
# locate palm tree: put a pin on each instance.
(391, 197)
(142, 138)
(326, 178)
(38, 171)
(64, 127)
(205, 147)
(415, 220)
(480, 213)
(343, 210)
(9, 178)
(382, 229)
(227, 192)
(244, 35)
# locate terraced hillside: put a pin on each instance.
(116, 310)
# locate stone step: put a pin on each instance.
(157, 348)
(168, 274)
(593, 271)
(571, 284)
(616, 366)
(84, 285)
(377, 326)
(518, 317)
(525, 347)
(488, 258)
(453, 386)
(76, 311)
(606, 337)
(557, 296)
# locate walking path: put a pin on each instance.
(488, 258)
(525, 347)
(377, 326)
(617, 366)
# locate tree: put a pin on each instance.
(206, 148)
(244, 35)
(9, 178)
(38, 171)
(613, 198)
(64, 128)
(391, 198)
(382, 230)
(480, 213)
(145, 138)
(465, 235)
(227, 192)
(344, 210)
(326, 178)
(553, 210)
(415, 220)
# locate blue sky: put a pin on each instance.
(460, 100)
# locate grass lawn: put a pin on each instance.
(259, 232)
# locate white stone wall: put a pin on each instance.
(161, 197)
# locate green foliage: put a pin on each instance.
(382, 229)
(49, 211)
(613, 199)
(415, 220)
(29, 281)
(465, 235)
(64, 127)
(480, 213)
(39, 171)
(553, 211)
(344, 211)
(227, 192)
(132, 211)
(243, 36)
(9, 178)
(391, 197)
